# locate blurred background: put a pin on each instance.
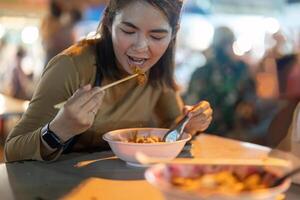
(226, 54)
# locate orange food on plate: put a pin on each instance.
(222, 179)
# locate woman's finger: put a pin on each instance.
(207, 113)
(86, 96)
(82, 90)
(199, 108)
(97, 107)
(73, 99)
(204, 115)
(94, 103)
(202, 124)
(201, 119)
(199, 124)
(186, 109)
(206, 124)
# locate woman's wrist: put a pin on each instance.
(60, 131)
(45, 148)
(46, 151)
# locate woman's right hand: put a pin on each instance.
(78, 113)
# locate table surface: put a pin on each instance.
(10, 105)
(101, 175)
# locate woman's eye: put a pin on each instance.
(156, 37)
(128, 32)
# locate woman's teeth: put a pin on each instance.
(136, 61)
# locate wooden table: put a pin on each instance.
(101, 175)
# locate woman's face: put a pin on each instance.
(140, 34)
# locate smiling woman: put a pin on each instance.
(134, 34)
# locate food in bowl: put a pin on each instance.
(196, 181)
(135, 137)
(125, 147)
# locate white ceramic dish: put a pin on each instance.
(160, 176)
(127, 150)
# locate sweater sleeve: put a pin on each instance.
(58, 82)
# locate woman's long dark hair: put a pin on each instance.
(162, 73)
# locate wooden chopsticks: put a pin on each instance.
(60, 105)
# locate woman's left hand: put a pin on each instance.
(200, 119)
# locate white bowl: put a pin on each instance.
(160, 175)
(127, 150)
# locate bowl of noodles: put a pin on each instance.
(126, 143)
(217, 181)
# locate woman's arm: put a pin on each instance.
(58, 82)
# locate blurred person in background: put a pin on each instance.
(19, 85)
(225, 82)
(284, 131)
(7, 57)
(57, 28)
(277, 45)
(3, 44)
(128, 42)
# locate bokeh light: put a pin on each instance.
(271, 25)
(30, 34)
(2, 31)
(241, 46)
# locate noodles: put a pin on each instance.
(134, 137)
(147, 139)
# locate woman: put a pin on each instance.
(138, 33)
(21, 84)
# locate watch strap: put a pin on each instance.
(51, 138)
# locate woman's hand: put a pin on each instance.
(200, 119)
(78, 113)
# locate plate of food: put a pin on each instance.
(217, 181)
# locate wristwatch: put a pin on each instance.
(51, 138)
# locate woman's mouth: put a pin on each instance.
(134, 61)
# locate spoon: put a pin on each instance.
(176, 133)
(280, 180)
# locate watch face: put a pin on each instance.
(51, 139)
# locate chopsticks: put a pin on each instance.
(60, 105)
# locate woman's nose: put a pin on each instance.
(141, 43)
